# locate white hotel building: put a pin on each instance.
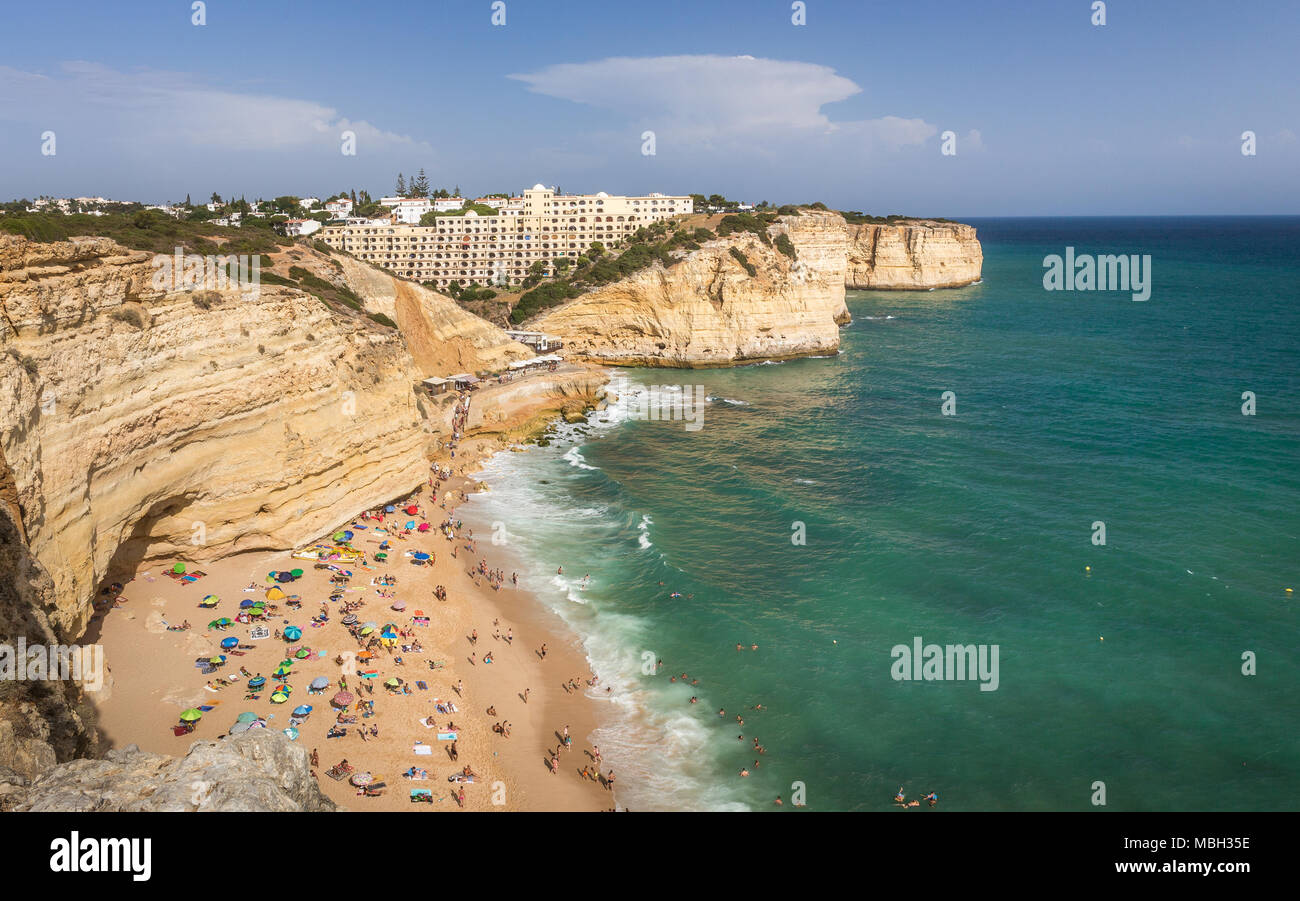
(496, 250)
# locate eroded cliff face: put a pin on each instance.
(442, 337)
(139, 424)
(708, 310)
(912, 256)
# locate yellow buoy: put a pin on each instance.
(1087, 569)
(1102, 638)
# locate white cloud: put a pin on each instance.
(715, 100)
(167, 109)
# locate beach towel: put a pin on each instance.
(423, 750)
(422, 686)
(447, 736)
(426, 724)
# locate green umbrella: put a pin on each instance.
(302, 653)
(191, 715)
(339, 536)
(279, 697)
(393, 683)
(296, 573)
(178, 568)
(246, 717)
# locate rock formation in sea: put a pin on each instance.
(913, 256)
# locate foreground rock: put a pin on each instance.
(259, 770)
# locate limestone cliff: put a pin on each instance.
(914, 255)
(143, 424)
(442, 337)
(709, 310)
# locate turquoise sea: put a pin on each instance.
(977, 528)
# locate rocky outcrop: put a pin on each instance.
(914, 255)
(258, 770)
(141, 424)
(442, 337)
(709, 310)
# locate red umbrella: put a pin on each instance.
(412, 509)
(424, 527)
(342, 699)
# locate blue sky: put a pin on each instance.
(1053, 116)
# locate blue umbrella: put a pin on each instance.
(257, 682)
(246, 603)
(390, 509)
(420, 555)
(292, 633)
(229, 642)
(302, 710)
(347, 535)
(410, 524)
(320, 682)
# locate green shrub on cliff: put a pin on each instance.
(744, 222)
(786, 246)
(744, 261)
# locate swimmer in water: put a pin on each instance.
(898, 798)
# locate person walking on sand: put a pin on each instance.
(460, 687)
(543, 650)
(526, 691)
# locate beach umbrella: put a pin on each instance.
(367, 630)
(179, 568)
(292, 733)
(399, 605)
(284, 576)
(349, 619)
(410, 524)
(209, 601)
(421, 555)
(423, 527)
(390, 509)
(412, 509)
(246, 717)
(393, 682)
(303, 653)
(342, 699)
(274, 594)
(292, 633)
(217, 660)
(257, 682)
(296, 573)
(319, 682)
(230, 642)
(370, 625)
(192, 715)
(347, 535)
(238, 728)
(279, 697)
(281, 672)
(246, 603)
(381, 556)
(365, 655)
(338, 536)
(302, 710)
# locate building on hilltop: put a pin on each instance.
(539, 226)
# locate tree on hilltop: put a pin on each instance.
(401, 185)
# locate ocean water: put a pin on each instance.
(976, 528)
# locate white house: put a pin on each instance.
(408, 210)
(339, 209)
(447, 204)
(308, 202)
(295, 228)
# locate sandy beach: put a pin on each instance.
(153, 674)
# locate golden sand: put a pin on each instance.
(152, 674)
